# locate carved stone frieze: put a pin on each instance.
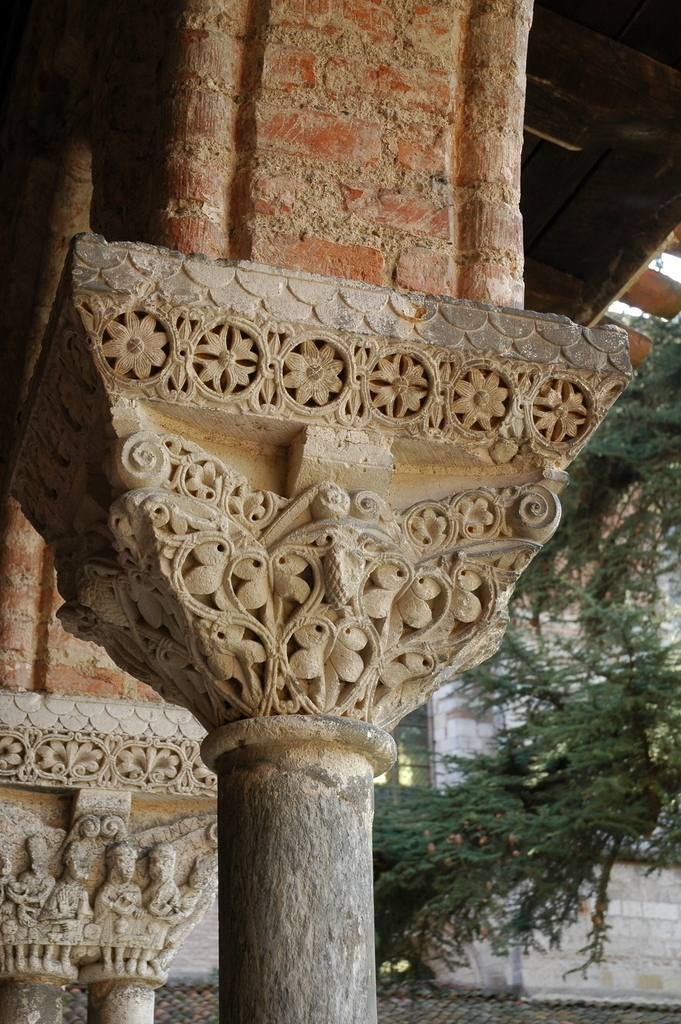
(96, 901)
(63, 741)
(275, 493)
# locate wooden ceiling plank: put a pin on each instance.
(548, 290)
(654, 30)
(674, 246)
(604, 16)
(584, 89)
(549, 180)
(616, 223)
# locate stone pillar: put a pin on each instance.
(30, 1002)
(295, 507)
(295, 803)
(120, 1002)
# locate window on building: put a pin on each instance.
(413, 766)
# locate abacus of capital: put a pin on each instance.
(294, 505)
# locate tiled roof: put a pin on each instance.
(466, 1008)
(198, 1004)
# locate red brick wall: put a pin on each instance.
(373, 139)
(35, 652)
(413, 157)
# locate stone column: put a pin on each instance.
(120, 1002)
(31, 1002)
(295, 803)
(295, 507)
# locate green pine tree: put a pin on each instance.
(586, 689)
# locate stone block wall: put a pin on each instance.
(644, 947)
(455, 730)
(641, 958)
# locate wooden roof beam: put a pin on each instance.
(584, 89)
(674, 247)
(548, 290)
(655, 293)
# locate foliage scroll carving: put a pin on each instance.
(245, 604)
(312, 594)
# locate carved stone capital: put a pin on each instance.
(51, 740)
(102, 898)
(276, 493)
(87, 783)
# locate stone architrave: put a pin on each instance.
(303, 502)
(107, 847)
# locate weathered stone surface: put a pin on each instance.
(107, 838)
(196, 449)
(30, 1002)
(116, 1002)
(156, 277)
(296, 901)
(49, 740)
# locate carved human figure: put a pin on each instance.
(67, 908)
(117, 904)
(197, 898)
(8, 921)
(30, 892)
(163, 898)
(163, 902)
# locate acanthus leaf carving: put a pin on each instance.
(306, 609)
(76, 759)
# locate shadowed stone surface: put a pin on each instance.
(30, 1003)
(115, 1002)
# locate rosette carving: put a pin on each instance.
(276, 493)
(226, 359)
(560, 410)
(313, 373)
(135, 345)
(58, 756)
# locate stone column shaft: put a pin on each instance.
(31, 1002)
(296, 905)
(120, 1002)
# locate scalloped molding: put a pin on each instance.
(86, 742)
